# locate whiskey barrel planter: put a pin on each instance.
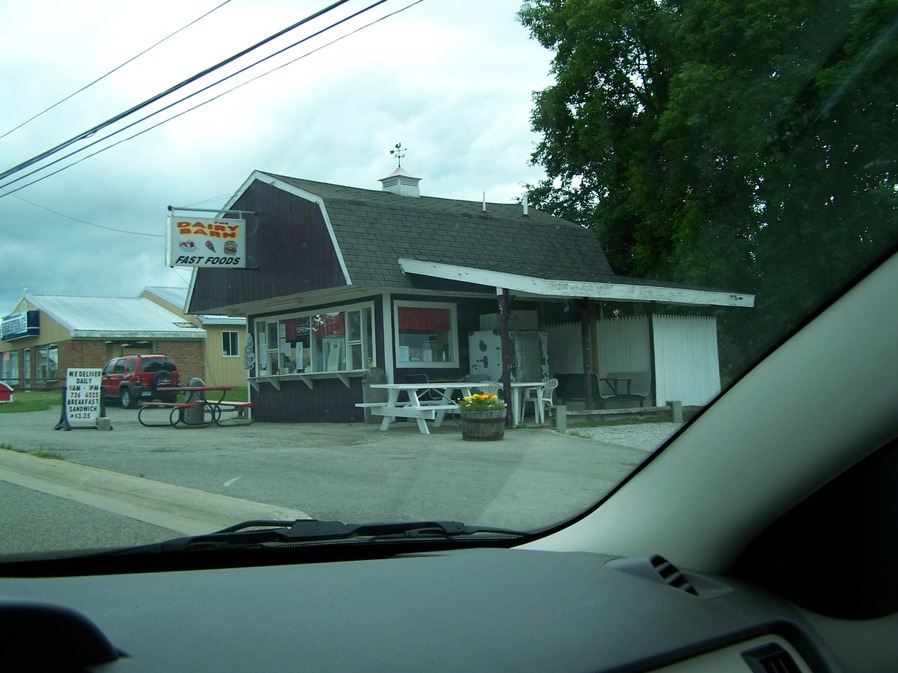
(483, 426)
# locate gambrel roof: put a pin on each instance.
(375, 228)
(343, 238)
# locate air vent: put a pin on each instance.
(671, 575)
(770, 659)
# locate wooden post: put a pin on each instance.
(504, 311)
(585, 306)
(650, 314)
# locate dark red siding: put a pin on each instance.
(330, 401)
(287, 239)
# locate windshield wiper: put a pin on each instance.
(266, 533)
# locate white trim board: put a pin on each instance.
(564, 289)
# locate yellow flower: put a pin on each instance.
(481, 402)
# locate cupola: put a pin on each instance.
(401, 183)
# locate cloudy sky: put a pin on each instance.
(452, 80)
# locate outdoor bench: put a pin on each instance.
(627, 387)
(176, 415)
(178, 418)
(234, 405)
(243, 418)
(427, 410)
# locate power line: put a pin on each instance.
(118, 231)
(216, 97)
(92, 224)
(92, 131)
(117, 68)
(163, 109)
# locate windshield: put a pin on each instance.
(416, 262)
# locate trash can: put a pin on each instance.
(372, 395)
(194, 415)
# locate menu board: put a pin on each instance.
(82, 398)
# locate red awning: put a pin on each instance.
(433, 319)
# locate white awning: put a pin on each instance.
(524, 286)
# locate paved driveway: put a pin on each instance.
(352, 472)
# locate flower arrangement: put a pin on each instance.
(481, 402)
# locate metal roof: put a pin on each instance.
(114, 317)
(177, 296)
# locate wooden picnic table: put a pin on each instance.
(614, 381)
(424, 401)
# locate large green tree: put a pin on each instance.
(748, 145)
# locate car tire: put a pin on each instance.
(126, 399)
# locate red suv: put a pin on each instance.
(140, 377)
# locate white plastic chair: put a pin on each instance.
(548, 402)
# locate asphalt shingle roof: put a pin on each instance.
(375, 228)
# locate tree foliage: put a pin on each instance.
(747, 145)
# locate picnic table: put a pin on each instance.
(197, 410)
(424, 401)
(614, 381)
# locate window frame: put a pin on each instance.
(271, 356)
(43, 360)
(234, 341)
(453, 357)
(9, 367)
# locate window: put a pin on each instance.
(333, 341)
(26, 365)
(426, 334)
(9, 366)
(47, 363)
(230, 344)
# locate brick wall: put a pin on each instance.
(86, 353)
(188, 355)
(71, 354)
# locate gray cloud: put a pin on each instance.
(451, 81)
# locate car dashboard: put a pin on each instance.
(476, 609)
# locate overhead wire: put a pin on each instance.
(114, 70)
(113, 229)
(92, 224)
(175, 116)
(122, 115)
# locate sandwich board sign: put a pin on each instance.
(83, 399)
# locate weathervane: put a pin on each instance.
(399, 151)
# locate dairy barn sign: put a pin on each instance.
(201, 242)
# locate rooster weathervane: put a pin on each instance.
(399, 151)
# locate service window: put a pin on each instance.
(336, 341)
(426, 334)
(358, 324)
(329, 341)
